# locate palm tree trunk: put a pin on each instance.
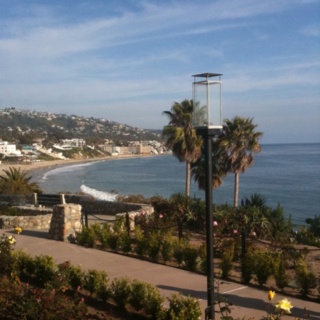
(236, 189)
(187, 179)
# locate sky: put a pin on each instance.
(130, 60)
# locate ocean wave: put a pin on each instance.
(67, 168)
(100, 195)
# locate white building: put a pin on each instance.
(8, 149)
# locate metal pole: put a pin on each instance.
(209, 227)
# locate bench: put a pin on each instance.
(48, 200)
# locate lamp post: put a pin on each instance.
(207, 120)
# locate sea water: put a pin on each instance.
(285, 174)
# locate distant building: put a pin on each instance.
(73, 143)
(8, 149)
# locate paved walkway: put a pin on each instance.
(247, 302)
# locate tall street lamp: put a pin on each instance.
(207, 120)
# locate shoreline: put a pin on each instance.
(52, 164)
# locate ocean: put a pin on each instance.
(285, 174)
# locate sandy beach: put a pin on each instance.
(50, 164)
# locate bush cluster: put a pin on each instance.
(38, 288)
(160, 245)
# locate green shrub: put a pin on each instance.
(94, 281)
(120, 290)
(21, 301)
(262, 264)
(185, 308)
(305, 278)
(141, 241)
(145, 297)
(178, 250)
(227, 257)
(68, 276)
(44, 269)
(113, 241)
(190, 256)
(154, 243)
(279, 271)
(166, 249)
(247, 267)
(87, 237)
(23, 265)
(104, 234)
(125, 242)
(6, 257)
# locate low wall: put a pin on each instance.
(39, 221)
(39, 218)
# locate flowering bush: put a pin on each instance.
(6, 258)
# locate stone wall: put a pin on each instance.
(65, 222)
(39, 218)
(39, 221)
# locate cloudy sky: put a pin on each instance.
(129, 60)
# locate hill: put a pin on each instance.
(26, 127)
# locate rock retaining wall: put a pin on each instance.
(39, 221)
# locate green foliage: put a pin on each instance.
(226, 264)
(96, 283)
(247, 267)
(120, 290)
(166, 249)
(9, 211)
(125, 242)
(153, 240)
(69, 275)
(179, 250)
(305, 278)
(314, 225)
(113, 241)
(39, 270)
(181, 307)
(190, 256)
(44, 269)
(87, 237)
(20, 301)
(262, 264)
(15, 181)
(279, 271)
(141, 242)
(145, 297)
(306, 236)
(6, 257)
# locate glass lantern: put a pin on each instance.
(207, 105)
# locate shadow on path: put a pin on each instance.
(43, 234)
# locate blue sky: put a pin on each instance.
(129, 60)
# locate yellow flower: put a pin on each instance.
(271, 295)
(18, 230)
(11, 240)
(284, 305)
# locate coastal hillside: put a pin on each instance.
(25, 127)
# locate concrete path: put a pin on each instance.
(247, 302)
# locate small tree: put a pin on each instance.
(16, 181)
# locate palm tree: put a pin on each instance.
(15, 181)
(180, 136)
(198, 170)
(239, 140)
